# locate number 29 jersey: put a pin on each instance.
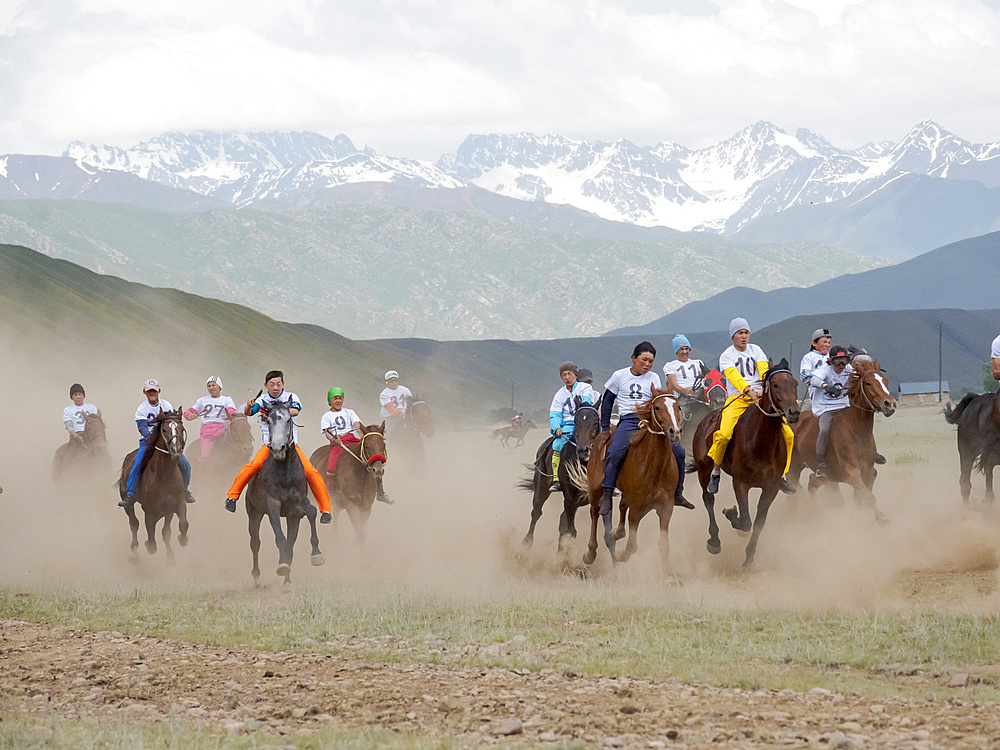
(746, 364)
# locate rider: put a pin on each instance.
(272, 393)
(631, 386)
(562, 412)
(215, 411)
(73, 415)
(341, 427)
(829, 383)
(814, 358)
(395, 400)
(148, 410)
(682, 373)
(586, 378)
(744, 365)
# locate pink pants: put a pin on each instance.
(209, 434)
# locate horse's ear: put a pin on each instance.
(577, 401)
(99, 414)
(598, 404)
(381, 427)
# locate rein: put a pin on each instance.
(652, 417)
(871, 407)
(366, 462)
(767, 392)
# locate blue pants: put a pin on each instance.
(619, 449)
(135, 473)
(567, 430)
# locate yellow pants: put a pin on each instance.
(735, 406)
(312, 477)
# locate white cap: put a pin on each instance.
(151, 385)
(214, 379)
(391, 374)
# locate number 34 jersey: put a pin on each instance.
(746, 364)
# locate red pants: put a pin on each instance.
(312, 477)
(337, 450)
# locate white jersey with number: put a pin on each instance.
(686, 373)
(214, 410)
(811, 361)
(745, 363)
(73, 415)
(588, 393)
(822, 401)
(400, 398)
(150, 411)
(995, 349)
(265, 401)
(339, 422)
(631, 390)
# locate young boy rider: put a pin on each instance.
(73, 415)
(341, 426)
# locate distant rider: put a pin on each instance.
(215, 411)
(395, 399)
(814, 358)
(73, 415)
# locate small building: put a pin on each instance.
(922, 393)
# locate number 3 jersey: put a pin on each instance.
(631, 390)
(746, 365)
(73, 416)
(338, 422)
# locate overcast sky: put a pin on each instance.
(414, 77)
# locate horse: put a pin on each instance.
(978, 420)
(353, 486)
(709, 395)
(755, 457)
(512, 432)
(418, 424)
(647, 480)
(90, 451)
(160, 491)
(586, 427)
(279, 490)
(230, 451)
(850, 453)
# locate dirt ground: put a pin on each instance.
(109, 676)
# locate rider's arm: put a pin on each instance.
(733, 376)
(191, 413)
(607, 406)
(996, 368)
(143, 426)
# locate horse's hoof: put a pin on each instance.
(317, 560)
(714, 547)
(527, 542)
(589, 557)
(619, 533)
(183, 541)
(733, 516)
(151, 548)
(284, 569)
(287, 587)
(882, 519)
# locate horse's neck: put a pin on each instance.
(760, 429)
(860, 418)
(653, 451)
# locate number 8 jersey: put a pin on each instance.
(742, 367)
(631, 390)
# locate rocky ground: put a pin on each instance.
(72, 674)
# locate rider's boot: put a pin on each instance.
(190, 497)
(605, 508)
(713, 482)
(555, 486)
(821, 470)
(127, 502)
(382, 496)
(680, 500)
(231, 504)
(785, 486)
(325, 517)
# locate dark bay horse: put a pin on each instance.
(850, 453)
(978, 420)
(354, 484)
(408, 438)
(229, 453)
(647, 480)
(160, 491)
(709, 395)
(755, 457)
(586, 427)
(279, 490)
(89, 451)
(512, 432)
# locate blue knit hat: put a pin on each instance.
(680, 340)
(737, 324)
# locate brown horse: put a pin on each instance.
(230, 452)
(160, 491)
(707, 397)
(850, 454)
(647, 479)
(755, 457)
(354, 484)
(89, 451)
(512, 432)
(978, 420)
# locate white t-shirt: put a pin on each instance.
(685, 372)
(587, 393)
(823, 402)
(995, 349)
(631, 390)
(265, 401)
(74, 415)
(745, 363)
(214, 410)
(148, 411)
(339, 422)
(400, 398)
(564, 401)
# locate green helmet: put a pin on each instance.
(334, 392)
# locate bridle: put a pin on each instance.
(652, 416)
(870, 406)
(767, 392)
(176, 435)
(369, 461)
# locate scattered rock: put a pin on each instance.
(508, 727)
(959, 679)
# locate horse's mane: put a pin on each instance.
(862, 364)
(154, 435)
(644, 412)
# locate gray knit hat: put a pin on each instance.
(567, 367)
(737, 324)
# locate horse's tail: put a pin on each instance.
(497, 433)
(527, 482)
(953, 413)
(990, 455)
(577, 474)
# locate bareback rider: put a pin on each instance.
(744, 366)
(562, 413)
(74, 415)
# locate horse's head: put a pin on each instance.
(781, 391)
(171, 430)
(868, 388)
(662, 414)
(586, 427)
(373, 451)
(281, 429)
(717, 396)
(239, 432)
(419, 417)
(94, 431)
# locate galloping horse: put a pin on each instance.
(229, 452)
(978, 420)
(417, 425)
(511, 432)
(709, 395)
(160, 491)
(850, 454)
(279, 490)
(755, 456)
(353, 486)
(587, 426)
(647, 480)
(89, 452)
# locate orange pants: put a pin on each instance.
(312, 477)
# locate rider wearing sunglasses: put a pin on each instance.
(829, 384)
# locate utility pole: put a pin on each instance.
(940, 363)
(512, 394)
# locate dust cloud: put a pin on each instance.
(458, 522)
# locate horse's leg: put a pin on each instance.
(852, 476)
(182, 524)
(165, 534)
(988, 473)
(739, 515)
(292, 522)
(355, 516)
(274, 516)
(133, 523)
(591, 554)
(714, 545)
(315, 557)
(633, 534)
(966, 459)
(665, 512)
(567, 521)
(539, 495)
(150, 519)
(763, 505)
(253, 525)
